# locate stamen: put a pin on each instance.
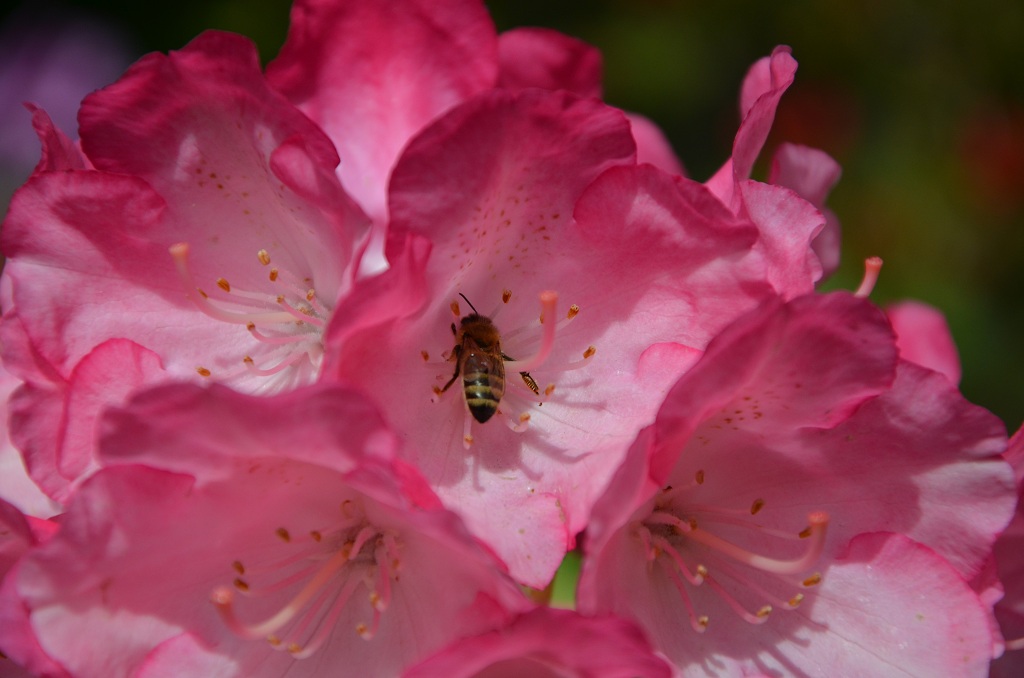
(819, 525)
(548, 301)
(872, 267)
(697, 623)
(223, 599)
(298, 314)
(1015, 644)
(327, 626)
(695, 578)
(264, 257)
(278, 341)
(759, 617)
(250, 365)
(202, 301)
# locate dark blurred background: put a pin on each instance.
(921, 102)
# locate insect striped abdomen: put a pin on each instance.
(483, 380)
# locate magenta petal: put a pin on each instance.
(58, 152)
(653, 147)
(924, 338)
(550, 642)
(547, 59)
(371, 74)
(765, 83)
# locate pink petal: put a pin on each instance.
(547, 59)
(372, 74)
(924, 338)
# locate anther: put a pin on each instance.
(274, 273)
(573, 310)
(699, 477)
(264, 257)
(455, 309)
(283, 534)
(756, 506)
(589, 352)
(223, 284)
(203, 372)
(813, 580)
(505, 296)
(425, 356)
(238, 567)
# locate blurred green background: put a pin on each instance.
(921, 102)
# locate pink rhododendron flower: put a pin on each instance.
(232, 535)
(1009, 561)
(923, 337)
(518, 206)
(548, 642)
(202, 237)
(746, 531)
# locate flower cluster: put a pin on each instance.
(324, 369)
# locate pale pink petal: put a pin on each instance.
(812, 174)
(653, 147)
(549, 642)
(788, 225)
(923, 337)
(548, 59)
(372, 74)
(16, 487)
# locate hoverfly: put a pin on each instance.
(480, 361)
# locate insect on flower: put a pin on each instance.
(480, 361)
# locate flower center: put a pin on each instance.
(685, 539)
(318, 581)
(286, 318)
(482, 365)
